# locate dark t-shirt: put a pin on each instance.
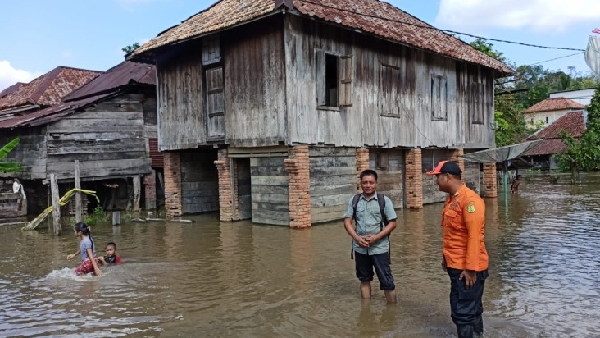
(112, 259)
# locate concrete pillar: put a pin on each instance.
(414, 179)
(490, 180)
(225, 194)
(298, 168)
(362, 164)
(150, 190)
(173, 203)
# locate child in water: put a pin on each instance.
(86, 249)
(111, 255)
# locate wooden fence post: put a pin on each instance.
(137, 188)
(78, 205)
(55, 204)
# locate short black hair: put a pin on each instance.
(368, 172)
(113, 244)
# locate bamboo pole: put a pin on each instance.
(78, 205)
(55, 204)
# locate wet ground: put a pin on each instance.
(207, 279)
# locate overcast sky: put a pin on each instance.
(39, 35)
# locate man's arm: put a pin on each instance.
(474, 216)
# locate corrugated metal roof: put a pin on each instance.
(547, 147)
(369, 16)
(553, 104)
(124, 74)
(49, 88)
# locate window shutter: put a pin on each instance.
(320, 76)
(345, 90)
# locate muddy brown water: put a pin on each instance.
(208, 279)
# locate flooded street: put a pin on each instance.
(207, 279)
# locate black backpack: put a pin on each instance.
(384, 220)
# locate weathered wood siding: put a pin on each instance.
(429, 160)
(270, 188)
(107, 139)
(31, 151)
(254, 84)
(332, 182)
(199, 181)
(399, 96)
(244, 187)
(181, 118)
(389, 165)
(473, 176)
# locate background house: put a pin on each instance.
(550, 110)
(291, 99)
(572, 123)
(581, 96)
(107, 125)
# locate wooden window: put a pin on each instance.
(215, 102)
(211, 49)
(333, 79)
(389, 91)
(477, 102)
(439, 98)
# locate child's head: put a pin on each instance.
(111, 249)
(82, 228)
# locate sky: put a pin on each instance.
(39, 35)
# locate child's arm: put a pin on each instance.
(101, 260)
(73, 255)
(94, 264)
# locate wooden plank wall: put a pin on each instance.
(363, 123)
(429, 160)
(270, 187)
(181, 118)
(472, 176)
(389, 165)
(31, 151)
(254, 81)
(332, 182)
(107, 139)
(199, 181)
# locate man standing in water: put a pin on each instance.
(464, 255)
(370, 239)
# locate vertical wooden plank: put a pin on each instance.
(55, 205)
(320, 76)
(136, 193)
(345, 90)
(78, 206)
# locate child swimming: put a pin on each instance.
(86, 249)
(111, 255)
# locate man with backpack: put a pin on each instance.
(375, 220)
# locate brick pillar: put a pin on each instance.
(490, 180)
(414, 179)
(150, 190)
(456, 157)
(173, 184)
(225, 194)
(298, 168)
(362, 163)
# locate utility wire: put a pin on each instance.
(442, 30)
(557, 58)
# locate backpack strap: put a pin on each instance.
(355, 200)
(384, 220)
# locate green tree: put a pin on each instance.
(9, 167)
(583, 154)
(130, 49)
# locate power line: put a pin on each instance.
(442, 30)
(557, 58)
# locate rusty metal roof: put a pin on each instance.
(11, 89)
(553, 104)
(124, 74)
(48, 89)
(367, 16)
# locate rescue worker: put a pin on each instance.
(464, 255)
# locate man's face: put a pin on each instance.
(368, 184)
(442, 181)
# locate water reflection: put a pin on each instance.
(240, 280)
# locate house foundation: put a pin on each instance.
(298, 168)
(490, 180)
(414, 178)
(173, 205)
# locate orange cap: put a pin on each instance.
(446, 167)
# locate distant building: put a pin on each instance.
(581, 96)
(573, 123)
(550, 110)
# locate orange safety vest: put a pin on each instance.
(463, 222)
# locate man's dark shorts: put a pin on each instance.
(381, 263)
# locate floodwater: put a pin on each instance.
(207, 279)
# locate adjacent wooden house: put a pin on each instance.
(108, 125)
(292, 98)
